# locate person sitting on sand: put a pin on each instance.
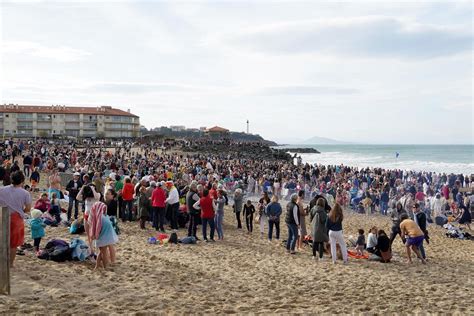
(414, 235)
(464, 217)
(383, 247)
(103, 234)
(372, 240)
(334, 226)
(43, 204)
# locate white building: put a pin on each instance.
(60, 120)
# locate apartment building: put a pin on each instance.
(59, 120)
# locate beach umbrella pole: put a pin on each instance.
(4, 251)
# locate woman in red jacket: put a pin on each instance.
(127, 196)
(208, 207)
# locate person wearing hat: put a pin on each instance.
(37, 228)
(73, 187)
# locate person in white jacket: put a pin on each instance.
(172, 204)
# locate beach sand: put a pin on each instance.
(244, 274)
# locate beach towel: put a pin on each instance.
(353, 254)
(95, 219)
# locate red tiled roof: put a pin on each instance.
(217, 129)
(103, 110)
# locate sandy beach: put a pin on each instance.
(244, 274)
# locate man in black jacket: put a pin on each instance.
(73, 187)
(420, 220)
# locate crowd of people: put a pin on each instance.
(106, 182)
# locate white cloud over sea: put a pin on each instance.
(354, 71)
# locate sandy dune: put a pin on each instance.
(244, 274)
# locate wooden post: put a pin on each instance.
(4, 251)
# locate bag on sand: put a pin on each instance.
(173, 238)
(188, 240)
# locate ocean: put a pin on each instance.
(436, 158)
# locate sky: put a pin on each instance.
(365, 72)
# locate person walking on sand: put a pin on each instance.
(18, 202)
(249, 210)
(238, 204)
(292, 222)
(319, 232)
(414, 235)
(334, 226)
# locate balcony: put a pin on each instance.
(44, 118)
(44, 126)
(24, 126)
(72, 126)
(25, 118)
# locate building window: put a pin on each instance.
(6, 115)
(54, 116)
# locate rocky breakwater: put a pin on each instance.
(301, 150)
(240, 151)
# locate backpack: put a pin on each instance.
(173, 238)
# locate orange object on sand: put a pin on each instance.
(353, 254)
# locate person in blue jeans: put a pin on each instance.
(219, 217)
(273, 212)
(292, 221)
(384, 199)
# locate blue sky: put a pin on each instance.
(354, 71)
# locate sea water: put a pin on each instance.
(436, 158)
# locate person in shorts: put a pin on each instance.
(18, 202)
(414, 236)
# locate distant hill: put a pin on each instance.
(323, 141)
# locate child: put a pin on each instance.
(35, 179)
(249, 210)
(55, 209)
(37, 228)
(360, 244)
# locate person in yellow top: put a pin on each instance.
(414, 236)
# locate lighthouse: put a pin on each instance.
(248, 126)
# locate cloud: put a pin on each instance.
(305, 90)
(138, 87)
(371, 36)
(61, 53)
